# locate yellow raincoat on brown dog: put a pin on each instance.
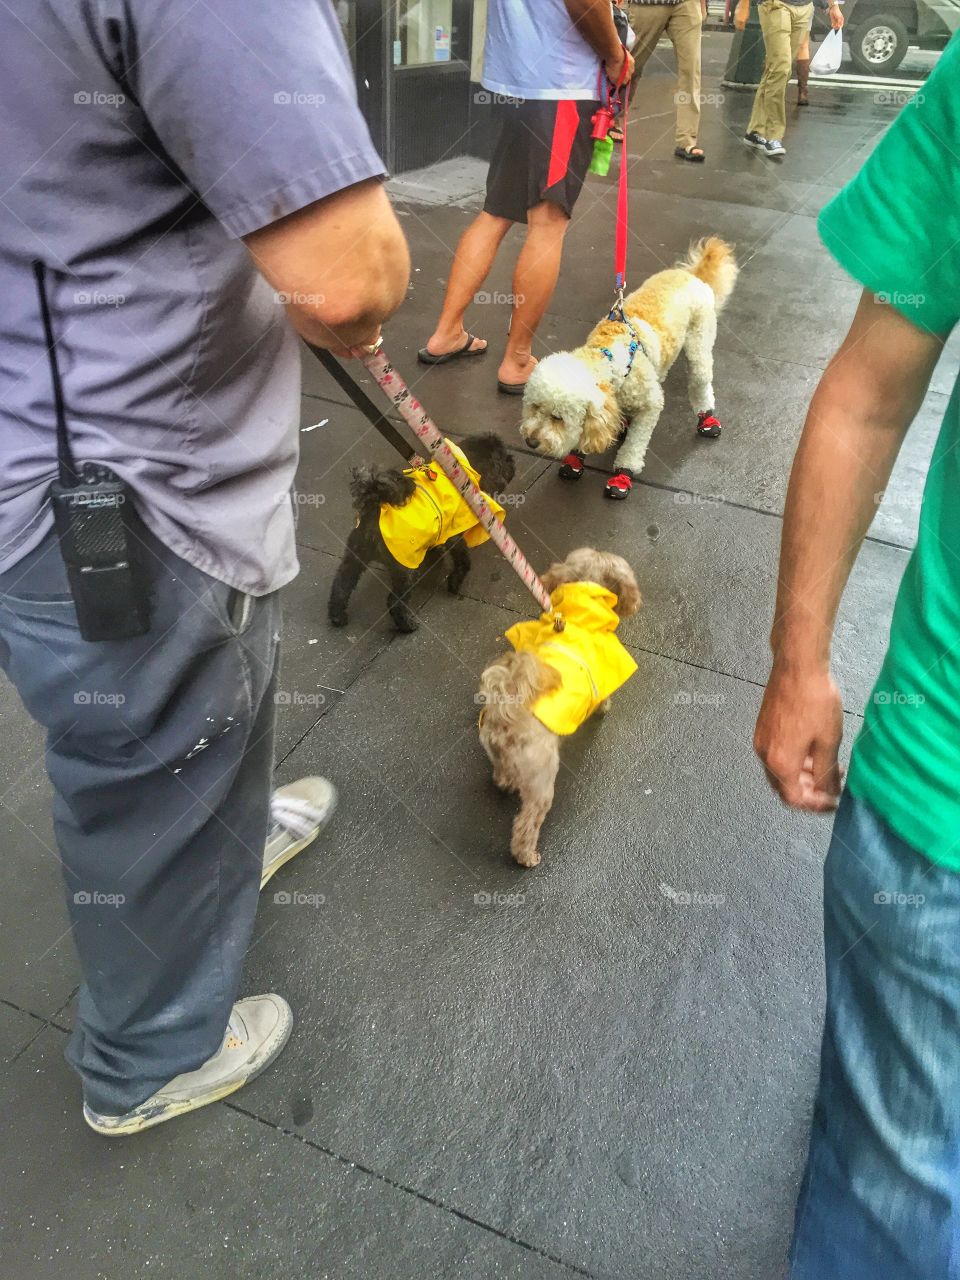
(591, 661)
(435, 514)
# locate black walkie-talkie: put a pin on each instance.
(97, 526)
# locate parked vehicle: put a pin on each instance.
(879, 32)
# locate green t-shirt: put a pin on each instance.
(896, 229)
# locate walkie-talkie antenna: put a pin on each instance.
(66, 465)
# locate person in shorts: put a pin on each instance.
(546, 94)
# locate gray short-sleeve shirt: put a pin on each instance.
(139, 141)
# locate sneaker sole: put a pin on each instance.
(757, 146)
(298, 846)
(127, 1126)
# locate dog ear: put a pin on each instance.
(619, 578)
(558, 574)
(601, 423)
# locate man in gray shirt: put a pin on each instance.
(195, 178)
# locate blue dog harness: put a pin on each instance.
(617, 313)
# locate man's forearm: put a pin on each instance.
(858, 417)
(594, 20)
(340, 264)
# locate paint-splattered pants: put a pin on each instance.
(160, 753)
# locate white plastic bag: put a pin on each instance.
(828, 57)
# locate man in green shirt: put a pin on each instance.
(881, 1194)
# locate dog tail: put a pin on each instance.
(370, 487)
(509, 685)
(712, 261)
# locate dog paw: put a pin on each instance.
(526, 857)
(572, 467)
(407, 625)
(338, 619)
(618, 486)
(454, 585)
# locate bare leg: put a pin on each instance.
(534, 280)
(471, 264)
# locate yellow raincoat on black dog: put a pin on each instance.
(592, 662)
(435, 514)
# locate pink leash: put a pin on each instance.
(418, 420)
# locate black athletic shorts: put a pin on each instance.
(542, 153)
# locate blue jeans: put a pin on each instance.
(880, 1198)
(160, 753)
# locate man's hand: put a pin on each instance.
(836, 16)
(741, 14)
(615, 68)
(798, 736)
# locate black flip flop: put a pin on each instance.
(511, 388)
(427, 357)
(685, 153)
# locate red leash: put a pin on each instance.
(620, 247)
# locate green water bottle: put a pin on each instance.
(602, 155)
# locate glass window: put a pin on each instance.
(427, 31)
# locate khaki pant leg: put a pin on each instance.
(769, 117)
(649, 21)
(685, 29)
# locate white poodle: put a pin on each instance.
(576, 401)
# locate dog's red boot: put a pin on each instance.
(708, 425)
(571, 468)
(618, 486)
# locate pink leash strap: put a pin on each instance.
(417, 419)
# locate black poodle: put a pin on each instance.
(371, 487)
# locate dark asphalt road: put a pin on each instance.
(585, 1077)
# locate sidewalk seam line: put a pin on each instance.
(420, 1195)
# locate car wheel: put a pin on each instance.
(879, 44)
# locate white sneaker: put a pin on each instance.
(299, 812)
(258, 1029)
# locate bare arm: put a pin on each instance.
(856, 423)
(594, 20)
(341, 264)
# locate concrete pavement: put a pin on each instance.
(497, 1073)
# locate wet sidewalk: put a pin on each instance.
(600, 1068)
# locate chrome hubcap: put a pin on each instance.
(879, 45)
